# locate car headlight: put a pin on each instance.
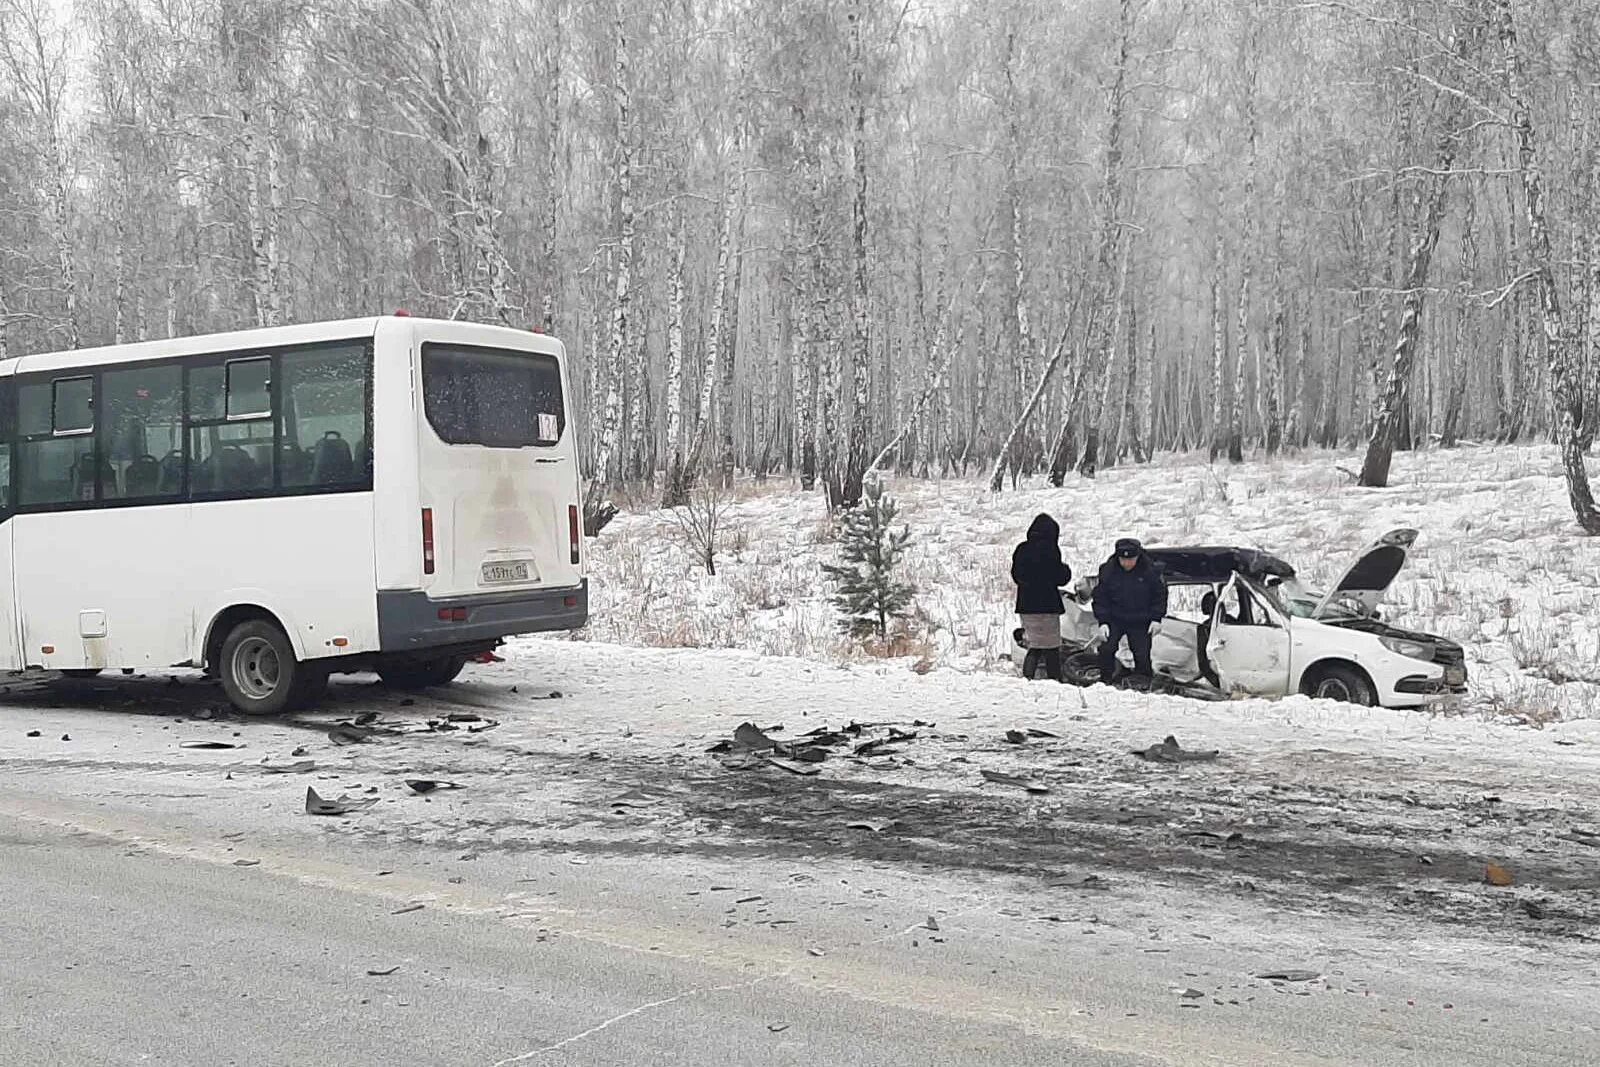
(1410, 649)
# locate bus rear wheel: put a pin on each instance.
(258, 670)
(418, 673)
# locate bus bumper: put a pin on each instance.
(409, 621)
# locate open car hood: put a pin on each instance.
(1369, 577)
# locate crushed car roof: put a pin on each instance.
(1217, 563)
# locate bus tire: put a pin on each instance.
(311, 689)
(258, 670)
(417, 673)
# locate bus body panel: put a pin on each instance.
(246, 547)
(396, 515)
(500, 516)
(105, 587)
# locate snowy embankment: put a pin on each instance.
(1499, 566)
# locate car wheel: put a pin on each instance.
(412, 673)
(258, 669)
(1343, 683)
(1081, 668)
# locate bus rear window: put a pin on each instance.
(493, 397)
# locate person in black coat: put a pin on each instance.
(1037, 569)
(1130, 600)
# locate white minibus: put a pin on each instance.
(395, 494)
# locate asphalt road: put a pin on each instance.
(142, 947)
(177, 906)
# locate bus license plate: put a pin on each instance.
(504, 572)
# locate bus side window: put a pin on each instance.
(141, 421)
(324, 417)
(56, 461)
(230, 428)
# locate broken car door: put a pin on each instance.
(1249, 645)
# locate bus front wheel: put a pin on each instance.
(418, 673)
(258, 669)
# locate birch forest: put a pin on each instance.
(815, 238)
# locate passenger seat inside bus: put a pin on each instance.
(172, 473)
(333, 464)
(144, 477)
(294, 463)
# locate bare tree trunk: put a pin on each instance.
(1561, 351)
(673, 485)
(1431, 198)
(716, 341)
(998, 474)
(1457, 360)
(1102, 336)
(1249, 71)
(1272, 389)
(860, 351)
(1219, 349)
(597, 511)
(550, 279)
(728, 383)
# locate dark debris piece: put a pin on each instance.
(1169, 751)
(343, 805)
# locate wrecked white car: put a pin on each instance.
(1240, 623)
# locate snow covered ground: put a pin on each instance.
(1499, 566)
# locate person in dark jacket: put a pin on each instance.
(1130, 600)
(1037, 569)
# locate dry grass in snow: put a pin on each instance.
(1499, 565)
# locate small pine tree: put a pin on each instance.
(869, 593)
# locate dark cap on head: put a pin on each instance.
(1128, 548)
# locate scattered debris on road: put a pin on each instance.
(1290, 975)
(873, 826)
(349, 735)
(343, 805)
(428, 785)
(1497, 875)
(1000, 778)
(1080, 881)
(1169, 751)
(382, 972)
(246, 863)
(407, 909)
(33, 733)
(1583, 837)
(304, 766)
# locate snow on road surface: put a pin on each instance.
(1354, 827)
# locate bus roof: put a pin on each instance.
(240, 340)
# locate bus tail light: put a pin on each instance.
(427, 540)
(574, 534)
(452, 614)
